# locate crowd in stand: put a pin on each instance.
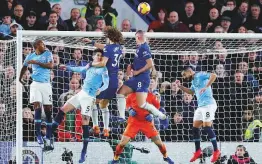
(239, 76)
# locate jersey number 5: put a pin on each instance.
(116, 60)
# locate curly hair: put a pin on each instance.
(114, 35)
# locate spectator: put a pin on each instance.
(78, 61)
(194, 63)
(254, 21)
(242, 29)
(252, 128)
(41, 7)
(5, 26)
(190, 17)
(184, 116)
(173, 98)
(120, 83)
(197, 27)
(58, 9)
(82, 25)
(71, 23)
(230, 9)
(100, 24)
(241, 155)
(121, 74)
(221, 71)
(28, 125)
(213, 20)
(243, 67)
(74, 87)
(110, 14)
(13, 31)
(255, 65)
(97, 15)
(126, 26)
(31, 22)
(173, 24)
(240, 17)
(222, 59)
(165, 87)
(156, 24)
(19, 15)
(88, 10)
(53, 22)
(226, 24)
(218, 29)
(258, 105)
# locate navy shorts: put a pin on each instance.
(110, 92)
(138, 84)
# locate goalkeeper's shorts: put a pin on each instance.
(146, 128)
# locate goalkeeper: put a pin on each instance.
(141, 120)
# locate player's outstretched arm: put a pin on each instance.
(185, 89)
(149, 65)
(97, 45)
(74, 69)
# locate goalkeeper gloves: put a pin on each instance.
(132, 112)
(149, 118)
(164, 123)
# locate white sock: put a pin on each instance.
(152, 109)
(95, 115)
(121, 105)
(105, 114)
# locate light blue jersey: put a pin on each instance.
(95, 77)
(40, 74)
(200, 81)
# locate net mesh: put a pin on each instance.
(237, 90)
(7, 100)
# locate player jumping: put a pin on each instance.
(40, 89)
(111, 59)
(205, 114)
(141, 120)
(85, 99)
(140, 81)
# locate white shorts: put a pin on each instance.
(83, 100)
(41, 92)
(205, 113)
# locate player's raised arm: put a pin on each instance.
(73, 69)
(211, 80)
(185, 89)
(97, 45)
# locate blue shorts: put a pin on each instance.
(138, 84)
(110, 92)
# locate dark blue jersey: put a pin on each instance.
(142, 54)
(113, 52)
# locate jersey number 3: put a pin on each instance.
(116, 60)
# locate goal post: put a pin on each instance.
(171, 52)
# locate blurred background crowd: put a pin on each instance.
(237, 89)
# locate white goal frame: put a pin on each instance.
(20, 34)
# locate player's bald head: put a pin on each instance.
(187, 73)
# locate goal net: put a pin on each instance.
(235, 58)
